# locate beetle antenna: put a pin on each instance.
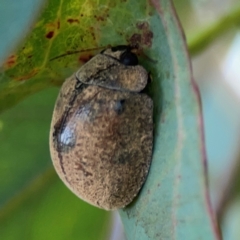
(77, 51)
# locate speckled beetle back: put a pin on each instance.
(101, 131)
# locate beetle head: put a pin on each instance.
(123, 54)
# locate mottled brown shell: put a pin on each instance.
(101, 131)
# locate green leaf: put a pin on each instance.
(70, 26)
(174, 202)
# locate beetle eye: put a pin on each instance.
(128, 58)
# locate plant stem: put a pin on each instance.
(199, 42)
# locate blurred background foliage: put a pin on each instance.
(216, 70)
(25, 193)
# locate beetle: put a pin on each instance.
(101, 133)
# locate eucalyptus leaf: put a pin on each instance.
(174, 202)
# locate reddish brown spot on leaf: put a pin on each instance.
(104, 14)
(142, 25)
(85, 57)
(92, 32)
(144, 37)
(72, 20)
(99, 18)
(27, 76)
(50, 34)
(10, 61)
(136, 38)
(147, 38)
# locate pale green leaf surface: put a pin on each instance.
(174, 202)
